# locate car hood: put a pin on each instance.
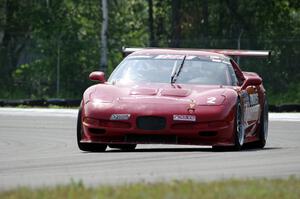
(160, 93)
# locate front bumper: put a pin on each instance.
(213, 126)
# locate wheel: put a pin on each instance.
(92, 147)
(123, 147)
(238, 132)
(263, 127)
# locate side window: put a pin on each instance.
(238, 73)
(233, 76)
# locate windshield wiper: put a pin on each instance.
(173, 72)
(176, 74)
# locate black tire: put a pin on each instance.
(123, 147)
(91, 147)
(238, 131)
(263, 127)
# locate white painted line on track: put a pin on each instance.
(293, 117)
(290, 117)
(51, 112)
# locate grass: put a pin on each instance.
(227, 189)
(290, 96)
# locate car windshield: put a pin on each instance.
(159, 69)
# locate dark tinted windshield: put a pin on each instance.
(158, 68)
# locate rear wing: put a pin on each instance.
(228, 52)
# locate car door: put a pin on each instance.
(249, 99)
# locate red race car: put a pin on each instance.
(174, 96)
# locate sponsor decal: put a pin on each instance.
(169, 57)
(226, 62)
(192, 105)
(120, 117)
(253, 98)
(245, 98)
(191, 118)
(191, 108)
(190, 57)
(211, 100)
(252, 113)
(140, 56)
(214, 57)
(216, 60)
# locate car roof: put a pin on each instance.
(177, 52)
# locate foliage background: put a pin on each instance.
(38, 36)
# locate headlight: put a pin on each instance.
(99, 103)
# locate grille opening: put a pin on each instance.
(151, 123)
(208, 133)
(97, 131)
(158, 139)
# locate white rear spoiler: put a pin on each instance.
(228, 52)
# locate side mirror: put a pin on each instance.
(97, 76)
(251, 81)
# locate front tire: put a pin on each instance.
(239, 130)
(263, 127)
(91, 147)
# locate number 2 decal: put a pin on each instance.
(211, 100)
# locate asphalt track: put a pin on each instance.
(38, 147)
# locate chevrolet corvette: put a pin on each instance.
(174, 96)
